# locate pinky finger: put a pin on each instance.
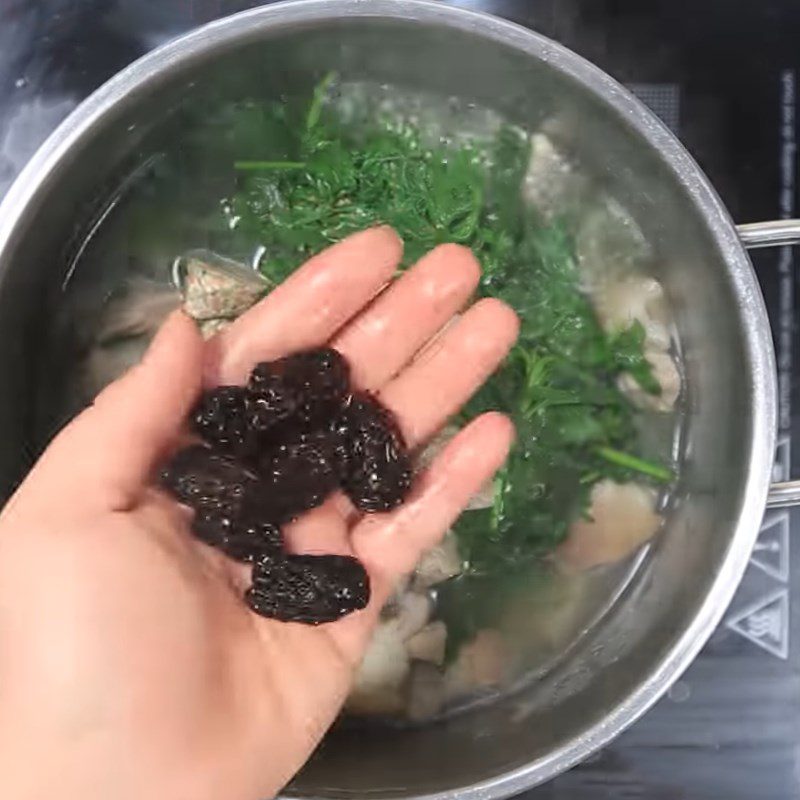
(390, 545)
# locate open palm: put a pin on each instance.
(126, 653)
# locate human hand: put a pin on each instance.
(129, 665)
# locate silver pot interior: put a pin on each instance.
(614, 672)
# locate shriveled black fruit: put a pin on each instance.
(221, 419)
(253, 540)
(302, 390)
(338, 430)
(270, 400)
(299, 474)
(321, 379)
(243, 540)
(214, 484)
(309, 589)
(212, 528)
(378, 470)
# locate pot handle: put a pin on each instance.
(780, 233)
(784, 495)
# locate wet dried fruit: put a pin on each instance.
(241, 540)
(211, 482)
(338, 431)
(301, 392)
(298, 475)
(212, 528)
(308, 589)
(306, 388)
(270, 400)
(378, 473)
(321, 380)
(221, 419)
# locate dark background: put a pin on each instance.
(730, 728)
(54, 52)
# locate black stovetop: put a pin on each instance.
(723, 74)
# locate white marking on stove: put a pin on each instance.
(786, 203)
(765, 623)
(782, 465)
(680, 692)
(771, 552)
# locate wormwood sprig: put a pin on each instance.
(574, 426)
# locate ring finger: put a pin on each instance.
(447, 373)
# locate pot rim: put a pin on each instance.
(759, 353)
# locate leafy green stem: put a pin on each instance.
(315, 107)
(257, 165)
(621, 459)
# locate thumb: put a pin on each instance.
(107, 454)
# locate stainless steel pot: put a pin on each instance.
(679, 595)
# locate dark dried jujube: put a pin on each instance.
(227, 499)
(278, 447)
(298, 475)
(242, 540)
(338, 431)
(212, 528)
(302, 390)
(270, 400)
(221, 419)
(378, 475)
(321, 380)
(211, 482)
(309, 589)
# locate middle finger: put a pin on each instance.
(384, 337)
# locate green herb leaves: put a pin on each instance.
(575, 427)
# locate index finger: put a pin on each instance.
(307, 308)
